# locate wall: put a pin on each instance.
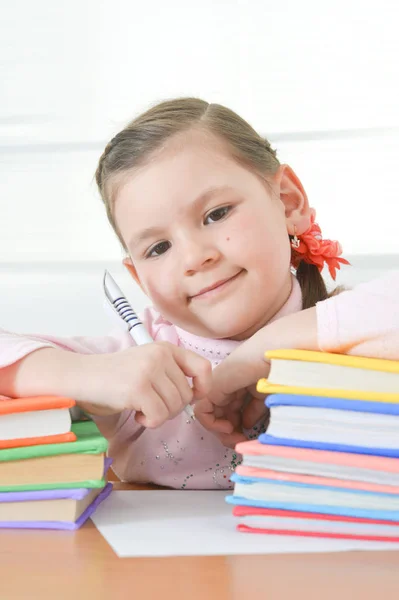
(320, 80)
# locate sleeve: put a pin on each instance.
(14, 346)
(363, 321)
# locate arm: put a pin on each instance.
(247, 364)
(363, 321)
(31, 365)
(148, 381)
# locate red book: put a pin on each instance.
(34, 421)
(304, 524)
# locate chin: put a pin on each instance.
(227, 330)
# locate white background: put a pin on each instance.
(321, 80)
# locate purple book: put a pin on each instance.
(56, 494)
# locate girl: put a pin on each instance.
(210, 222)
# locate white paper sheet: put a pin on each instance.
(194, 523)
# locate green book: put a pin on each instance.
(70, 485)
(79, 464)
(89, 441)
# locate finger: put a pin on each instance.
(253, 412)
(178, 378)
(169, 394)
(153, 411)
(215, 425)
(235, 418)
(232, 439)
(238, 400)
(205, 413)
(211, 423)
(196, 367)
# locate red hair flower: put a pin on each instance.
(311, 248)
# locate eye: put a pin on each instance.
(158, 249)
(217, 214)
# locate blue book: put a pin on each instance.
(288, 495)
(340, 425)
(383, 408)
(318, 445)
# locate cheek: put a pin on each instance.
(159, 284)
(259, 240)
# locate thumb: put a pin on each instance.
(196, 367)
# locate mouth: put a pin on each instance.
(216, 288)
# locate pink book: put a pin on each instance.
(254, 447)
(321, 463)
(315, 480)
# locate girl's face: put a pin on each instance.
(208, 239)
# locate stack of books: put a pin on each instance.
(52, 471)
(328, 464)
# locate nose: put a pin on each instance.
(198, 254)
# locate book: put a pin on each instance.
(371, 425)
(76, 481)
(55, 509)
(307, 524)
(38, 441)
(334, 482)
(265, 438)
(55, 465)
(318, 373)
(35, 420)
(320, 463)
(286, 495)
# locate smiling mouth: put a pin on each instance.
(216, 289)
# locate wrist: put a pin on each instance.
(295, 331)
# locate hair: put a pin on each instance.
(150, 131)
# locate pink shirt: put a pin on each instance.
(181, 454)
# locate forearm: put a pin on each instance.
(298, 330)
(247, 363)
(46, 371)
(50, 372)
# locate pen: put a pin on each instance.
(136, 328)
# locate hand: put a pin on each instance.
(241, 410)
(224, 421)
(233, 403)
(149, 379)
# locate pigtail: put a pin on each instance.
(312, 284)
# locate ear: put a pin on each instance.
(127, 262)
(294, 199)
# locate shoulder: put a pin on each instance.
(360, 315)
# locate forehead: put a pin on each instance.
(173, 178)
(186, 165)
(180, 165)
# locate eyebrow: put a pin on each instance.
(150, 232)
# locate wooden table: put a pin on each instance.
(55, 565)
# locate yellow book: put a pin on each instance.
(331, 375)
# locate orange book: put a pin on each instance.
(34, 421)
